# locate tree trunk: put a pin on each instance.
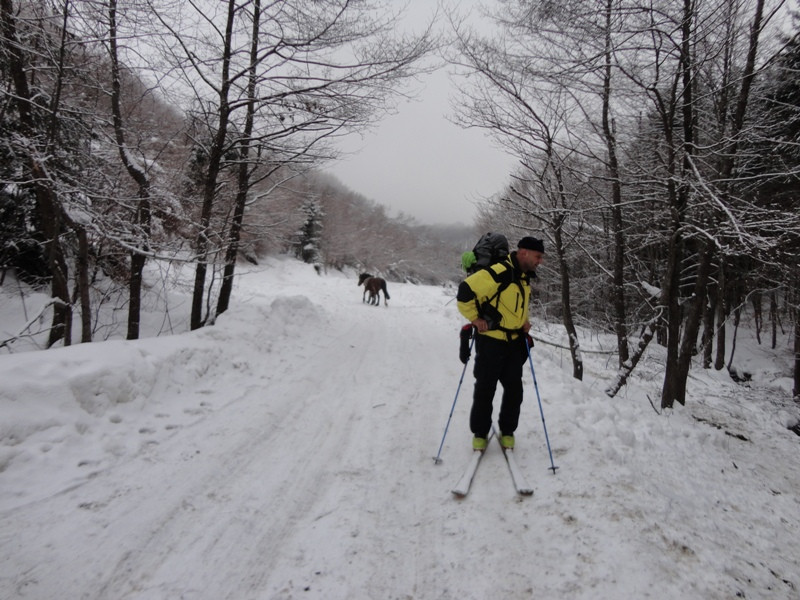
(82, 278)
(708, 325)
(202, 243)
(625, 371)
(566, 305)
(142, 218)
(758, 315)
(796, 390)
(675, 388)
(692, 324)
(737, 317)
(773, 317)
(47, 204)
(243, 179)
(796, 276)
(677, 196)
(670, 294)
(722, 315)
(618, 281)
(50, 215)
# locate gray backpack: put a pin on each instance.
(490, 249)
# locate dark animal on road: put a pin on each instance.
(373, 286)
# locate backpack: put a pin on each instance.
(490, 249)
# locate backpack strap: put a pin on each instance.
(507, 276)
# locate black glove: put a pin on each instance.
(525, 347)
(466, 336)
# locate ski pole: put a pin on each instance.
(539, 398)
(437, 459)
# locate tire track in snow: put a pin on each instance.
(245, 507)
(393, 422)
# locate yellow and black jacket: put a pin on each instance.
(500, 294)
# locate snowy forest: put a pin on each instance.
(659, 153)
(658, 146)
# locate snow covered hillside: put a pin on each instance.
(287, 453)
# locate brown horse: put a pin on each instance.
(373, 285)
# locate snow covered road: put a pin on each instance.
(287, 452)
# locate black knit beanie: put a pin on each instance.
(531, 243)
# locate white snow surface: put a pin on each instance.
(287, 453)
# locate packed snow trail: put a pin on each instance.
(286, 453)
(302, 431)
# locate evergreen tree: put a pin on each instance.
(310, 235)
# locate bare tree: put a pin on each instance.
(679, 356)
(243, 179)
(142, 219)
(273, 93)
(591, 69)
(522, 102)
(35, 145)
(570, 51)
(771, 180)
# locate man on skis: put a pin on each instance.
(495, 301)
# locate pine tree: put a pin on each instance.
(310, 235)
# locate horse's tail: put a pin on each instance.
(385, 291)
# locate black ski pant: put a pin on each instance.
(497, 360)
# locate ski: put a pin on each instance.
(523, 489)
(461, 489)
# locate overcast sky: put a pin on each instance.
(418, 162)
